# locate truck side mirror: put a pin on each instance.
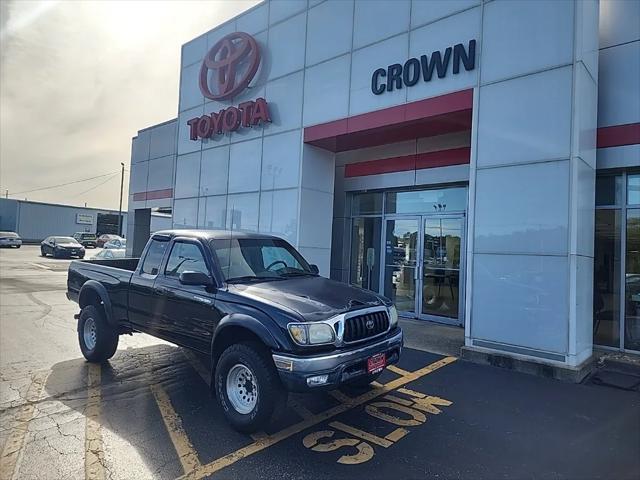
(314, 269)
(195, 278)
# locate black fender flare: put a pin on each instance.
(95, 287)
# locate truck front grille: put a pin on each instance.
(365, 326)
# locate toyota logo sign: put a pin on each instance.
(233, 62)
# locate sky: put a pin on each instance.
(78, 79)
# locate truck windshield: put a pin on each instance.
(246, 259)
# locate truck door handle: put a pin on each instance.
(162, 290)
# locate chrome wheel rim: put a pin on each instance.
(90, 333)
(242, 389)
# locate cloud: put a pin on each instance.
(79, 79)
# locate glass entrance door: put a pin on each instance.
(422, 265)
(440, 298)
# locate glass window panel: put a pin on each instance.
(185, 257)
(185, 213)
(400, 263)
(367, 204)
(609, 190)
(153, 259)
(606, 278)
(633, 189)
(365, 252)
(427, 201)
(632, 282)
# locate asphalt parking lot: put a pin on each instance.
(148, 412)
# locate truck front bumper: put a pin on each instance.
(340, 367)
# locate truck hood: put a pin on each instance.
(312, 298)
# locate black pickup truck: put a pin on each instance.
(249, 302)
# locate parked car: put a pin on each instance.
(110, 253)
(87, 240)
(10, 239)
(105, 238)
(61, 247)
(250, 302)
(116, 243)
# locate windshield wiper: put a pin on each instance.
(298, 274)
(250, 278)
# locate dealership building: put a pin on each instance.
(478, 162)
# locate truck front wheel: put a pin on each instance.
(98, 340)
(248, 387)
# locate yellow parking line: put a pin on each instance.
(15, 441)
(186, 453)
(411, 393)
(398, 370)
(233, 457)
(397, 434)
(356, 432)
(94, 452)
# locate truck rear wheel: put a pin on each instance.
(248, 387)
(98, 340)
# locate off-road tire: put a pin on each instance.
(271, 395)
(106, 336)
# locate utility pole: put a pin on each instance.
(6, 193)
(120, 209)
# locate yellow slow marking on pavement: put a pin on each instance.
(356, 432)
(398, 370)
(184, 448)
(401, 401)
(397, 434)
(12, 450)
(411, 393)
(94, 451)
(258, 446)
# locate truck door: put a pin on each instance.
(143, 300)
(187, 314)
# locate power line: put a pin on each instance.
(96, 186)
(63, 184)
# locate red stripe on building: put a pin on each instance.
(442, 158)
(153, 195)
(619, 135)
(423, 118)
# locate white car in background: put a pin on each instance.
(10, 239)
(117, 243)
(110, 253)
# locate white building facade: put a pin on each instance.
(442, 153)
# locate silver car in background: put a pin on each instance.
(10, 239)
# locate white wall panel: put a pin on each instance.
(618, 92)
(286, 45)
(525, 36)
(255, 20)
(244, 166)
(525, 119)
(323, 42)
(377, 20)
(161, 173)
(285, 102)
(279, 213)
(583, 197)
(318, 256)
(318, 168)
(214, 171)
(316, 215)
(521, 300)
(139, 175)
(242, 211)
(185, 144)
(187, 175)
(281, 160)
(364, 63)
(326, 91)
(437, 37)
(163, 140)
(215, 212)
(190, 95)
(214, 35)
(281, 9)
(586, 36)
(619, 22)
(585, 115)
(185, 213)
(428, 11)
(523, 209)
(140, 147)
(194, 50)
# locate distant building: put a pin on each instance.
(34, 221)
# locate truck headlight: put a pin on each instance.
(393, 316)
(311, 333)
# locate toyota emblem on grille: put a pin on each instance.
(369, 324)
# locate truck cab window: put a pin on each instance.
(154, 256)
(185, 257)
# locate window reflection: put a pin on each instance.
(633, 189)
(606, 283)
(365, 252)
(427, 201)
(632, 282)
